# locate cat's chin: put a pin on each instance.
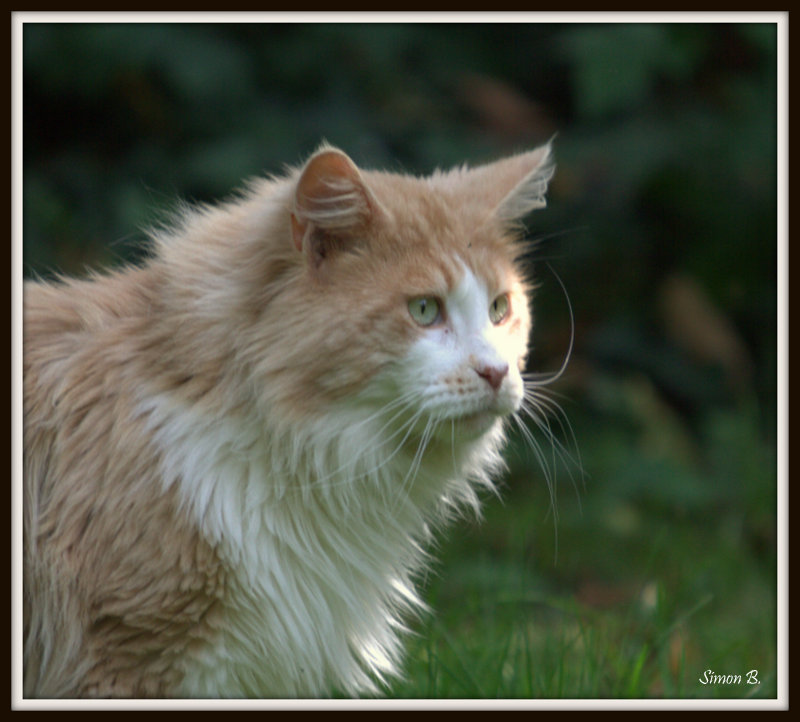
(473, 425)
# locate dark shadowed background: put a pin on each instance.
(658, 561)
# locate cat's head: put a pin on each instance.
(409, 290)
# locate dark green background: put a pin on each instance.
(666, 148)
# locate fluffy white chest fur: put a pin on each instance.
(321, 580)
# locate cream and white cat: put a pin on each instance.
(235, 454)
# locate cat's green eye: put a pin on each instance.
(499, 309)
(424, 310)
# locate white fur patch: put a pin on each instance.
(322, 530)
(442, 365)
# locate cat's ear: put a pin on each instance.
(516, 185)
(332, 204)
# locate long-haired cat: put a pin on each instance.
(235, 454)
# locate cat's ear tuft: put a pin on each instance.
(330, 199)
(519, 183)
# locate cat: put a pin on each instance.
(237, 452)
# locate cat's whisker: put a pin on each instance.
(536, 448)
(539, 379)
(558, 451)
(405, 400)
(537, 407)
(352, 474)
(537, 401)
(453, 445)
(399, 490)
(416, 462)
(409, 428)
(374, 442)
(550, 476)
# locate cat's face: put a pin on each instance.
(463, 364)
(411, 289)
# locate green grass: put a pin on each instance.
(661, 565)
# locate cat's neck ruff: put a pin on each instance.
(323, 523)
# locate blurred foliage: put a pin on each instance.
(662, 226)
(666, 145)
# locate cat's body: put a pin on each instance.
(234, 455)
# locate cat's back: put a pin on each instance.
(79, 340)
(77, 311)
(78, 336)
(108, 559)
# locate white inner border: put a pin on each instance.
(781, 19)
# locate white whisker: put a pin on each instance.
(413, 469)
(375, 442)
(538, 402)
(539, 406)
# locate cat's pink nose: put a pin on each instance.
(493, 374)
